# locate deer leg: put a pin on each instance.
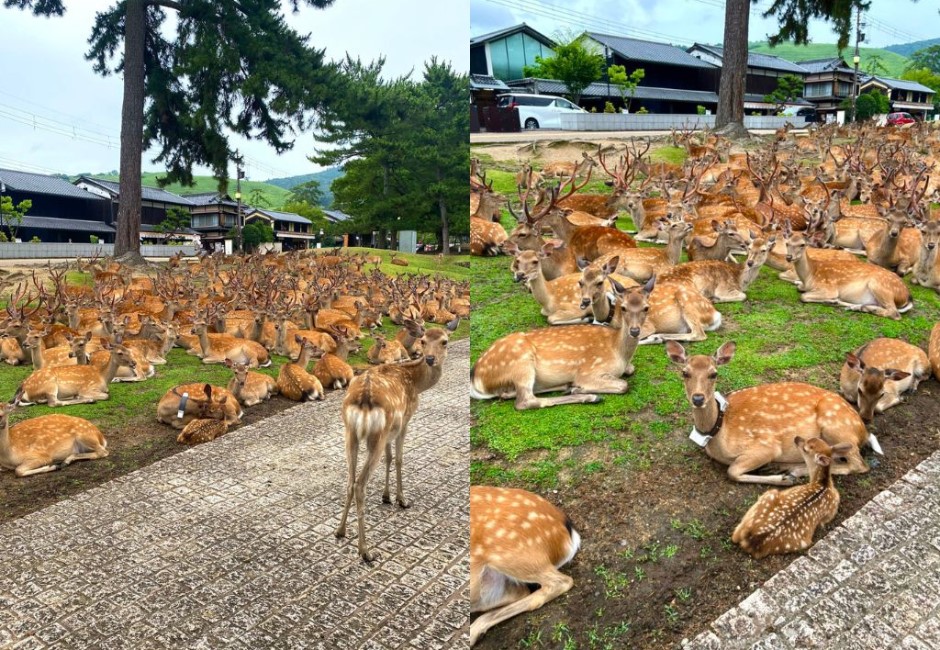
(373, 455)
(820, 295)
(885, 299)
(887, 401)
(386, 498)
(89, 455)
(35, 466)
(526, 400)
(604, 383)
(352, 459)
(731, 295)
(399, 452)
(753, 459)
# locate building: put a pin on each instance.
(154, 206)
(828, 83)
(905, 96)
(291, 230)
(214, 216)
(61, 212)
(503, 54)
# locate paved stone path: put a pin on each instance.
(231, 545)
(871, 583)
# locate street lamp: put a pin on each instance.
(855, 59)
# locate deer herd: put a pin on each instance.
(845, 229)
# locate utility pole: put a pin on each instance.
(856, 59)
(239, 174)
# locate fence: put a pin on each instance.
(664, 122)
(28, 250)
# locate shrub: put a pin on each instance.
(609, 107)
(642, 111)
(700, 110)
(3, 237)
(594, 109)
(35, 240)
(93, 239)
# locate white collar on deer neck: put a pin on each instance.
(702, 439)
(611, 300)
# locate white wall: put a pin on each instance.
(28, 250)
(663, 122)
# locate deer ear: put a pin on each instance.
(611, 265)
(716, 226)
(297, 338)
(582, 263)
(650, 285)
(842, 448)
(798, 441)
(853, 362)
(770, 242)
(547, 250)
(452, 325)
(675, 352)
(725, 353)
(616, 286)
(228, 363)
(511, 248)
(822, 460)
(896, 375)
(207, 389)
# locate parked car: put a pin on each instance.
(899, 119)
(538, 111)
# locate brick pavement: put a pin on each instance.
(231, 545)
(871, 583)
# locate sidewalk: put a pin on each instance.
(231, 545)
(871, 583)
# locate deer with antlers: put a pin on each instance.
(878, 373)
(516, 539)
(641, 264)
(758, 426)
(724, 281)
(376, 411)
(67, 385)
(333, 369)
(46, 443)
(725, 240)
(216, 348)
(584, 360)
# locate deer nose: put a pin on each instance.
(634, 332)
(585, 303)
(789, 258)
(430, 360)
(750, 262)
(519, 277)
(698, 400)
(931, 246)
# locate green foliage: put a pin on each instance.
(11, 217)
(928, 57)
(257, 198)
(35, 240)
(572, 64)
(276, 196)
(923, 76)
(626, 83)
(700, 110)
(642, 111)
(177, 220)
(875, 65)
(312, 212)
(255, 233)
(789, 88)
(871, 103)
(309, 192)
(795, 16)
(93, 239)
(609, 108)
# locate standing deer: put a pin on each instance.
(875, 375)
(757, 426)
(785, 521)
(46, 443)
(516, 539)
(378, 407)
(583, 359)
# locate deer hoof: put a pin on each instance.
(368, 557)
(340, 532)
(403, 504)
(593, 399)
(386, 498)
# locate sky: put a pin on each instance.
(58, 116)
(683, 22)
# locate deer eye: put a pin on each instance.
(713, 375)
(647, 308)
(686, 374)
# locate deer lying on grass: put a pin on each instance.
(217, 348)
(927, 269)
(719, 246)
(384, 351)
(248, 387)
(857, 286)
(583, 359)
(678, 312)
(757, 426)
(332, 369)
(155, 351)
(641, 264)
(723, 281)
(42, 357)
(46, 443)
(376, 412)
(785, 521)
(187, 402)
(410, 334)
(588, 242)
(875, 375)
(67, 385)
(537, 539)
(293, 380)
(894, 246)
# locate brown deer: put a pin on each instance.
(384, 351)
(293, 380)
(410, 334)
(894, 246)
(333, 369)
(785, 521)
(719, 247)
(933, 350)
(217, 348)
(249, 387)
(583, 359)
(537, 539)
(155, 351)
(723, 281)
(678, 312)
(376, 412)
(67, 385)
(757, 426)
(857, 286)
(202, 430)
(46, 443)
(187, 402)
(641, 264)
(875, 375)
(927, 269)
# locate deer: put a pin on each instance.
(187, 402)
(538, 539)
(333, 369)
(202, 430)
(216, 348)
(68, 385)
(42, 357)
(785, 521)
(677, 312)
(527, 177)
(378, 406)
(876, 375)
(721, 281)
(384, 351)
(293, 380)
(410, 334)
(46, 443)
(248, 387)
(933, 350)
(926, 272)
(719, 247)
(641, 264)
(857, 286)
(894, 246)
(757, 426)
(585, 360)
(155, 351)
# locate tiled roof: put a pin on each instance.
(42, 184)
(210, 198)
(55, 223)
(898, 84)
(757, 59)
(637, 50)
(508, 31)
(147, 193)
(813, 66)
(281, 216)
(336, 216)
(486, 82)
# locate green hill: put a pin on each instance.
(274, 195)
(907, 49)
(893, 62)
(324, 177)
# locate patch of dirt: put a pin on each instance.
(142, 442)
(510, 155)
(657, 564)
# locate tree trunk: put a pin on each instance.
(442, 206)
(733, 69)
(127, 239)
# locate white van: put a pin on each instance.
(538, 111)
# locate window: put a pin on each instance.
(204, 220)
(845, 89)
(818, 89)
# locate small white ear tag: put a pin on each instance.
(873, 442)
(182, 407)
(698, 438)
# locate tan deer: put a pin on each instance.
(785, 521)
(894, 246)
(384, 351)
(202, 430)
(378, 407)
(187, 402)
(333, 369)
(757, 426)
(216, 348)
(42, 357)
(878, 373)
(249, 387)
(67, 385)
(678, 312)
(583, 359)
(641, 264)
(516, 539)
(857, 286)
(933, 350)
(410, 334)
(46, 443)
(927, 269)
(293, 380)
(723, 281)
(726, 240)
(155, 351)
